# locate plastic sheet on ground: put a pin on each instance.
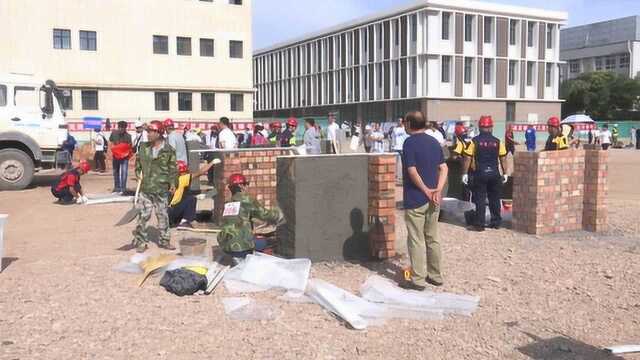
(188, 262)
(380, 290)
(133, 265)
(108, 199)
(262, 272)
(295, 297)
(246, 309)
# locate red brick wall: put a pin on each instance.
(595, 218)
(382, 206)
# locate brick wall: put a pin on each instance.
(257, 165)
(559, 191)
(382, 206)
(595, 218)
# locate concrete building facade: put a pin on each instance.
(126, 60)
(454, 60)
(612, 45)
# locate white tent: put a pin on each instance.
(577, 118)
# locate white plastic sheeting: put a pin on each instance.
(246, 309)
(380, 290)
(108, 199)
(3, 219)
(262, 272)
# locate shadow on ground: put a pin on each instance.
(563, 348)
(153, 236)
(5, 262)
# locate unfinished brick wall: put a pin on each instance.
(595, 218)
(257, 165)
(559, 191)
(382, 206)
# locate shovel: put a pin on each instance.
(131, 215)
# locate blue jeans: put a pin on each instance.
(120, 174)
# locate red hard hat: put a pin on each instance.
(183, 168)
(485, 121)
(168, 123)
(157, 126)
(553, 121)
(292, 122)
(460, 129)
(187, 127)
(237, 179)
(215, 127)
(84, 166)
(275, 125)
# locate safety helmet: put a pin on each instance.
(182, 167)
(485, 121)
(84, 166)
(554, 122)
(275, 125)
(237, 179)
(168, 123)
(259, 126)
(156, 126)
(138, 124)
(292, 122)
(460, 129)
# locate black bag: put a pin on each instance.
(183, 282)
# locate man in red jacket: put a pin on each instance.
(121, 149)
(68, 189)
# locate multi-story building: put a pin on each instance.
(454, 60)
(126, 60)
(612, 45)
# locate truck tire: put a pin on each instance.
(16, 169)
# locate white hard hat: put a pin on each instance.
(138, 124)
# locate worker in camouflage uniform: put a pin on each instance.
(236, 238)
(156, 166)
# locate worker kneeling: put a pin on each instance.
(482, 157)
(236, 237)
(68, 189)
(182, 210)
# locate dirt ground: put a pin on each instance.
(556, 297)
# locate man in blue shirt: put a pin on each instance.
(530, 138)
(424, 177)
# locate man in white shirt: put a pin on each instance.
(176, 141)
(141, 135)
(227, 139)
(377, 139)
(99, 144)
(433, 131)
(398, 136)
(605, 137)
(332, 134)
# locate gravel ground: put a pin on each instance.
(556, 297)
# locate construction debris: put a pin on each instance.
(263, 272)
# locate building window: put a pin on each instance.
(548, 74)
(446, 20)
(513, 33)
(414, 27)
(88, 40)
(598, 63)
(610, 63)
(61, 39)
(531, 27)
(446, 69)
(162, 101)
(512, 72)
(488, 67)
(530, 70)
(468, 28)
(66, 99)
(207, 47)
(488, 29)
(3, 95)
(160, 44)
(235, 2)
(624, 61)
(89, 100)
(574, 66)
(208, 101)
(549, 36)
(237, 102)
(468, 70)
(184, 45)
(235, 49)
(185, 102)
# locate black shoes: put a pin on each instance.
(433, 282)
(409, 285)
(476, 228)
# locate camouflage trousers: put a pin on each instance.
(146, 204)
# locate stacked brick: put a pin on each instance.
(548, 191)
(257, 165)
(595, 217)
(382, 206)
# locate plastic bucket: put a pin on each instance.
(3, 220)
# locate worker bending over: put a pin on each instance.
(236, 237)
(68, 189)
(482, 157)
(182, 210)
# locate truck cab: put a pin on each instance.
(32, 128)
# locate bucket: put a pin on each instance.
(193, 247)
(3, 220)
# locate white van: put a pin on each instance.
(32, 128)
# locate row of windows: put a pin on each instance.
(611, 62)
(62, 39)
(183, 46)
(488, 71)
(185, 101)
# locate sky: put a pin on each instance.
(275, 21)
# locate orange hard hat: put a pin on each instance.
(237, 179)
(84, 166)
(485, 121)
(554, 122)
(183, 168)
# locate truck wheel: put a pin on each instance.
(16, 169)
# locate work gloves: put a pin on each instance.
(505, 178)
(465, 179)
(82, 199)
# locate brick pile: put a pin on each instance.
(257, 165)
(595, 218)
(382, 206)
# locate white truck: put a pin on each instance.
(32, 128)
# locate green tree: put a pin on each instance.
(599, 94)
